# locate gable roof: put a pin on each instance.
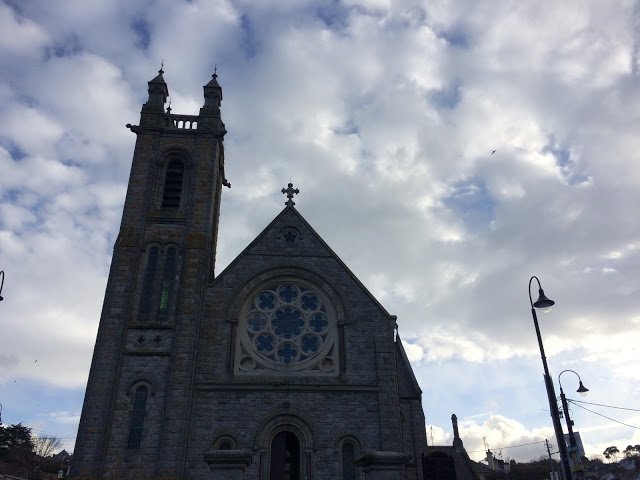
(258, 247)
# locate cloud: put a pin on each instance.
(415, 353)
(385, 115)
(505, 437)
(22, 37)
(71, 418)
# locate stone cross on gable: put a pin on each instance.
(290, 191)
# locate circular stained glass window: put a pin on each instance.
(287, 324)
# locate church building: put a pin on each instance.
(281, 367)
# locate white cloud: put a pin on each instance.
(380, 112)
(20, 36)
(415, 353)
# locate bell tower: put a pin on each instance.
(143, 361)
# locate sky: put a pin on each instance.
(447, 151)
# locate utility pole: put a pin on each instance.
(552, 465)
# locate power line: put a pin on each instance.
(608, 418)
(601, 405)
(511, 446)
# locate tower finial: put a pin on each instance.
(290, 191)
(161, 71)
(169, 107)
(215, 70)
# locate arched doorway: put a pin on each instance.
(285, 457)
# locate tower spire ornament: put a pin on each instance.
(290, 191)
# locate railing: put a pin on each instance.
(183, 122)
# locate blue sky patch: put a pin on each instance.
(34, 402)
(16, 152)
(446, 97)
(472, 200)
(568, 168)
(348, 129)
(334, 15)
(69, 46)
(249, 43)
(141, 28)
(456, 36)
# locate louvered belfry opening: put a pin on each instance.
(173, 184)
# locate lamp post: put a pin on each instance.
(1, 284)
(573, 448)
(545, 304)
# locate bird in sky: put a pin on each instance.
(493, 152)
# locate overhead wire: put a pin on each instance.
(608, 418)
(576, 403)
(511, 446)
(601, 405)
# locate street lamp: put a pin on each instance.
(545, 304)
(573, 449)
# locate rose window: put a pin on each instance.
(288, 326)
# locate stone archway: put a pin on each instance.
(283, 435)
(285, 457)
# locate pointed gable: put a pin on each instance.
(290, 235)
(294, 308)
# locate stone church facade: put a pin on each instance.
(281, 367)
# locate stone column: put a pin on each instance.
(228, 464)
(383, 465)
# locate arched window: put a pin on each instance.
(137, 417)
(147, 286)
(167, 276)
(158, 284)
(349, 468)
(225, 442)
(173, 184)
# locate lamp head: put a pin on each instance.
(543, 303)
(582, 390)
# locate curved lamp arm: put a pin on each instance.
(582, 390)
(543, 303)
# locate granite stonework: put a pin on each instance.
(282, 366)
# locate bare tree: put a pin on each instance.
(47, 445)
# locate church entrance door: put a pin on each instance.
(285, 457)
